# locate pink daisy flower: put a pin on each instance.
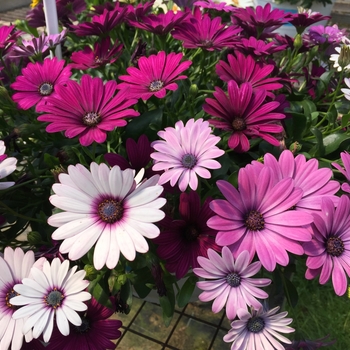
(230, 281)
(259, 330)
(345, 157)
(105, 207)
(245, 114)
(7, 166)
(329, 251)
(8, 37)
(39, 81)
(182, 241)
(257, 48)
(257, 217)
(155, 74)
(88, 110)
(213, 5)
(187, 151)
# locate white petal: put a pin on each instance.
(62, 322)
(32, 320)
(82, 296)
(101, 249)
(125, 243)
(62, 218)
(114, 252)
(27, 263)
(55, 266)
(41, 324)
(39, 277)
(7, 338)
(70, 204)
(72, 316)
(28, 291)
(6, 275)
(145, 215)
(27, 310)
(74, 304)
(147, 195)
(49, 327)
(73, 228)
(62, 272)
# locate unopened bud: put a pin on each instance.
(193, 90)
(298, 42)
(57, 171)
(344, 56)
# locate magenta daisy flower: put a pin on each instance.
(329, 251)
(213, 5)
(155, 74)
(245, 114)
(88, 110)
(345, 157)
(95, 332)
(38, 81)
(182, 241)
(257, 217)
(105, 208)
(187, 151)
(257, 48)
(305, 18)
(259, 330)
(326, 34)
(230, 281)
(8, 37)
(7, 166)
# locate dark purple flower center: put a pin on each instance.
(9, 295)
(191, 233)
(84, 327)
(45, 89)
(98, 60)
(238, 124)
(91, 119)
(335, 246)
(255, 324)
(54, 298)
(156, 85)
(254, 221)
(233, 279)
(189, 161)
(110, 210)
(207, 43)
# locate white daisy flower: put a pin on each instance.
(7, 166)
(51, 293)
(346, 92)
(105, 206)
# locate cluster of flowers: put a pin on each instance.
(161, 175)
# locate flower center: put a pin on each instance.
(156, 85)
(91, 119)
(84, 327)
(54, 298)
(238, 124)
(255, 324)
(254, 221)
(45, 89)
(98, 60)
(9, 295)
(110, 210)
(233, 279)
(335, 246)
(189, 161)
(191, 233)
(207, 43)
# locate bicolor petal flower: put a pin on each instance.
(7, 166)
(186, 152)
(329, 251)
(229, 281)
(53, 293)
(105, 207)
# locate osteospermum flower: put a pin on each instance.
(341, 59)
(257, 48)
(257, 217)
(103, 207)
(213, 5)
(345, 157)
(346, 92)
(182, 241)
(7, 166)
(155, 74)
(187, 151)
(53, 293)
(329, 251)
(259, 330)
(38, 81)
(331, 34)
(229, 281)
(88, 110)
(245, 114)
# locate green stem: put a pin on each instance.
(14, 213)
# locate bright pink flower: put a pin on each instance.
(245, 114)
(306, 18)
(182, 241)
(187, 151)
(230, 281)
(212, 5)
(258, 48)
(329, 251)
(345, 157)
(88, 110)
(257, 217)
(39, 81)
(8, 37)
(155, 74)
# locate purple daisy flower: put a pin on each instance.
(305, 18)
(88, 110)
(212, 5)
(8, 37)
(155, 74)
(257, 217)
(187, 151)
(331, 34)
(182, 241)
(329, 251)
(245, 114)
(230, 281)
(258, 330)
(345, 157)
(258, 48)
(39, 81)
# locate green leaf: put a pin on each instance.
(309, 107)
(345, 120)
(185, 294)
(291, 292)
(51, 161)
(332, 142)
(296, 126)
(167, 309)
(101, 296)
(318, 149)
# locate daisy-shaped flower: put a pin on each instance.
(329, 251)
(88, 110)
(7, 166)
(182, 241)
(8, 37)
(245, 114)
(346, 92)
(187, 151)
(38, 81)
(259, 330)
(53, 293)
(229, 281)
(341, 59)
(257, 217)
(105, 207)
(95, 332)
(214, 5)
(14, 266)
(155, 74)
(305, 18)
(322, 34)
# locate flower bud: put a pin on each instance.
(298, 42)
(193, 90)
(344, 56)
